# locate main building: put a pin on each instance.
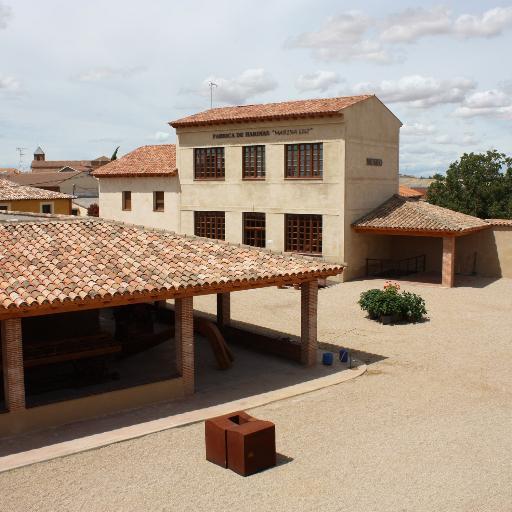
(289, 176)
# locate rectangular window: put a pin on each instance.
(304, 161)
(253, 162)
(127, 200)
(158, 201)
(47, 208)
(4, 208)
(209, 164)
(303, 233)
(210, 225)
(254, 229)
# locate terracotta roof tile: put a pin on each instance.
(270, 111)
(10, 191)
(155, 160)
(406, 215)
(51, 259)
(409, 192)
(499, 222)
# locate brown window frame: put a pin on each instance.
(254, 228)
(157, 199)
(250, 156)
(309, 155)
(210, 224)
(209, 163)
(126, 197)
(297, 224)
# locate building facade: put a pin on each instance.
(290, 177)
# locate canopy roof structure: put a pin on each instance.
(406, 216)
(53, 263)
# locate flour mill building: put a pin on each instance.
(289, 176)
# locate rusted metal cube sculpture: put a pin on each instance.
(241, 443)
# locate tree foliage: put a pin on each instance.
(478, 184)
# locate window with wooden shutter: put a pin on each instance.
(210, 225)
(303, 233)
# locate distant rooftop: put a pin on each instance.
(154, 160)
(10, 191)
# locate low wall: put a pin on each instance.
(68, 411)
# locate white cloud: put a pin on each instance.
(411, 24)
(419, 91)
(491, 103)
(343, 38)
(355, 35)
(106, 73)
(317, 81)
(251, 82)
(9, 84)
(490, 24)
(161, 136)
(417, 129)
(5, 15)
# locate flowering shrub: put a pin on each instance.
(390, 302)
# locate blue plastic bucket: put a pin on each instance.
(327, 358)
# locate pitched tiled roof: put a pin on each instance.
(499, 222)
(408, 192)
(10, 191)
(8, 171)
(156, 160)
(56, 165)
(409, 215)
(51, 260)
(44, 179)
(270, 111)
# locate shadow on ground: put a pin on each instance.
(252, 373)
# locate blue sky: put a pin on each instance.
(80, 78)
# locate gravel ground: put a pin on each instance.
(427, 428)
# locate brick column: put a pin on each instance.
(223, 309)
(448, 272)
(12, 359)
(184, 339)
(308, 334)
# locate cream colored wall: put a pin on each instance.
(372, 131)
(493, 248)
(82, 185)
(142, 201)
(273, 196)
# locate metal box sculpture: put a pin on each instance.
(239, 442)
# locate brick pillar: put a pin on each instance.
(308, 335)
(184, 339)
(448, 272)
(223, 309)
(12, 359)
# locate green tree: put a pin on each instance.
(478, 184)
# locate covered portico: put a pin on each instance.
(61, 265)
(409, 217)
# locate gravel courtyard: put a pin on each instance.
(428, 427)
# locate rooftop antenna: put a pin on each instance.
(21, 152)
(211, 85)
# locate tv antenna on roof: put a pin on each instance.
(21, 152)
(211, 85)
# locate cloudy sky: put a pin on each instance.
(80, 78)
